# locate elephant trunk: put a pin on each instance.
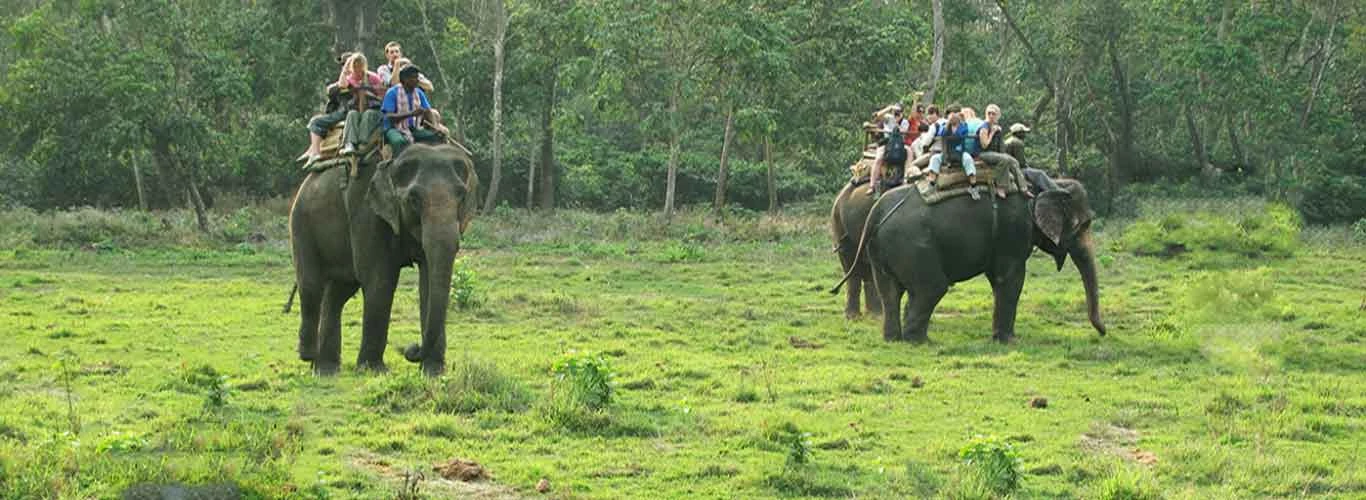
(440, 242)
(1083, 253)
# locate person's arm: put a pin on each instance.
(984, 136)
(423, 83)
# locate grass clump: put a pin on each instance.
(994, 461)
(469, 387)
(1233, 294)
(1126, 484)
(1271, 232)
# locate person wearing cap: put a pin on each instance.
(404, 107)
(334, 112)
(1038, 180)
(422, 81)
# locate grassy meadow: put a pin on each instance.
(613, 356)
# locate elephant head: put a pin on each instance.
(1062, 227)
(427, 197)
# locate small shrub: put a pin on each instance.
(995, 460)
(587, 378)
(1359, 231)
(465, 286)
(1333, 197)
(795, 444)
(216, 393)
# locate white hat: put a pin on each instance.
(1018, 127)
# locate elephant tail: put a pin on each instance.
(858, 250)
(289, 304)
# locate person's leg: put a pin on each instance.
(349, 133)
(936, 161)
(970, 168)
(426, 136)
(396, 141)
(369, 121)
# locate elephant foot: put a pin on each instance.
(325, 369)
(413, 353)
(307, 356)
(851, 315)
(376, 366)
(433, 368)
(920, 339)
(1005, 339)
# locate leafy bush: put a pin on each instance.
(1333, 197)
(464, 286)
(995, 461)
(1359, 230)
(1272, 232)
(586, 379)
(795, 443)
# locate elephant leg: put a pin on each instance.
(920, 307)
(1006, 288)
(335, 295)
(889, 291)
(871, 301)
(310, 303)
(379, 301)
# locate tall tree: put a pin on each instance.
(489, 20)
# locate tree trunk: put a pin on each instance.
(1040, 67)
(1063, 110)
(548, 169)
(197, 203)
(936, 64)
(1319, 70)
(137, 179)
(772, 186)
(674, 134)
(497, 176)
(1124, 143)
(1238, 154)
(1197, 145)
(355, 22)
(725, 160)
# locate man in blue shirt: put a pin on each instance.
(405, 106)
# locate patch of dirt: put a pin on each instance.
(1118, 441)
(433, 485)
(462, 470)
(1038, 402)
(800, 343)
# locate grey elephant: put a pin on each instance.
(846, 227)
(921, 249)
(412, 210)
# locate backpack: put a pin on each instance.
(895, 151)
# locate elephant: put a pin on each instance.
(922, 249)
(411, 210)
(846, 227)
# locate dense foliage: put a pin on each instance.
(206, 97)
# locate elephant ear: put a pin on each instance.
(1052, 215)
(383, 197)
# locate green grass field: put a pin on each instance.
(733, 373)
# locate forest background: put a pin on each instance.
(617, 104)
